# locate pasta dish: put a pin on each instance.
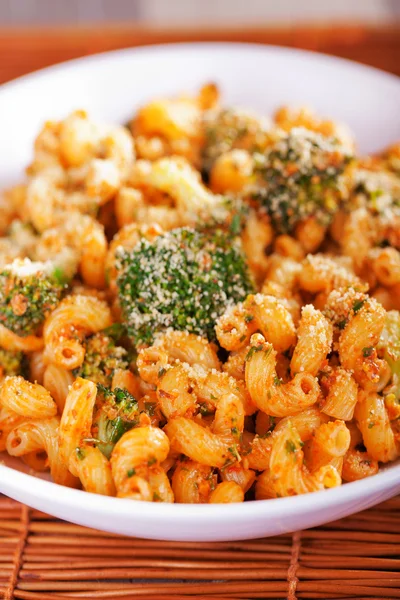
(202, 305)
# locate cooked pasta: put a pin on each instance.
(135, 465)
(76, 420)
(41, 435)
(58, 381)
(314, 342)
(287, 474)
(27, 399)
(201, 306)
(192, 482)
(341, 393)
(268, 392)
(75, 317)
(93, 470)
(373, 420)
(227, 492)
(8, 420)
(357, 462)
(328, 446)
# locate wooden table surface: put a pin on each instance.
(23, 50)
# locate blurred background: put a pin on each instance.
(37, 33)
(186, 12)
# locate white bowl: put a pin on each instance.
(110, 86)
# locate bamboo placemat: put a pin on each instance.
(44, 558)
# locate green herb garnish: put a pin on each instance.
(80, 453)
(253, 350)
(358, 304)
(368, 351)
(290, 446)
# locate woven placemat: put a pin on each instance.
(44, 558)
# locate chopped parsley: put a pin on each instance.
(80, 453)
(374, 194)
(60, 276)
(368, 351)
(205, 409)
(235, 455)
(236, 226)
(150, 408)
(358, 304)
(255, 349)
(290, 447)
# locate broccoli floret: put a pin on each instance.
(183, 280)
(10, 363)
(377, 191)
(389, 345)
(299, 176)
(117, 413)
(102, 358)
(29, 292)
(229, 214)
(231, 128)
(119, 402)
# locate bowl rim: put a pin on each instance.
(18, 482)
(60, 495)
(173, 46)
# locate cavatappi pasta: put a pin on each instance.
(201, 306)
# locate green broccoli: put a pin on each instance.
(379, 193)
(389, 346)
(102, 358)
(117, 413)
(11, 363)
(229, 213)
(230, 128)
(29, 292)
(183, 280)
(299, 176)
